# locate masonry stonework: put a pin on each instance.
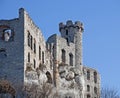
(27, 59)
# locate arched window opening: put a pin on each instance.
(28, 57)
(6, 33)
(95, 77)
(34, 46)
(71, 59)
(49, 77)
(42, 57)
(28, 38)
(31, 42)
(88, 95)
(39, 53)
(95, 90)
(63, 56)
(34, 63)
(88, 75)
(88, 88)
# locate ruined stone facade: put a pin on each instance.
(26, 58)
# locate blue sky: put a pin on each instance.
(101, 37)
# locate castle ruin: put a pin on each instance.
(27, 59)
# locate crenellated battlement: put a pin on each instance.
(69, 24)
(26, 59)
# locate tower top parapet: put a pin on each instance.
(69, 24)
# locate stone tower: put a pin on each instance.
(27, 60)
(72, 32)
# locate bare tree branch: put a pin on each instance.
(109, 93)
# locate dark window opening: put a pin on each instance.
(39, 53)
(28, 38)
(3, 53)
(67, 40)
(71, 59)
(88, 96)
(34, 46)
(31, 42)
(43, 57)
(2, 50)
(49, 78)
(8, 35)
(28, 57)
(34, 63)
(88, 75)
(95, 90)
(53, 52)
(88, 88)
(66, 32)
(63, 56)
(95, 77)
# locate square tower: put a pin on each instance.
(21, 45)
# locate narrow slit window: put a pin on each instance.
(31, 42)
(95, 77)
(34, 63)
(39, 53)
(88, 88)
(28, 57)
(95, 90)
(63, 56)
(88, 75)
(28, 38)
(43, 57)
(71, 59)
(34, 46)
(66, 32)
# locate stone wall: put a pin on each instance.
(26, 59)
(12, 52)
(92, 82)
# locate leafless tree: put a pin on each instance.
(109, 93)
